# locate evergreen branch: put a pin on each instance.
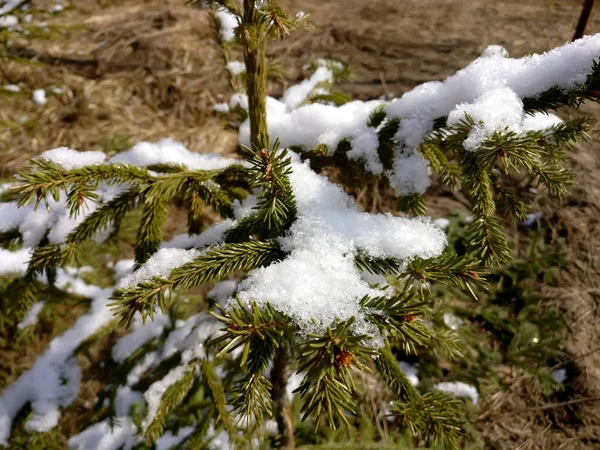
(259, 330)
(213, 196)
(388, 367)
(486, 241)
(556, 179)
(386, 132)
(46, 258)
(277, 23)
(435, 416)
(377, 116)
(399, 316)
(171, 399)
(217, 391)
(211, 265)
(111, 213)
(476, 178)
(328, 384)
(253, 404)
(564, 134)
(449, 173)
(555, 97)
(414, 204)
(447, 343)
(377, 266)
(461, 271)
(45, 178)
(248, 228)
(150, 232)
(509, 202)
(270, 169)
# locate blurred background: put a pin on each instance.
(116, 72)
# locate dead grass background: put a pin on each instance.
(144, 70)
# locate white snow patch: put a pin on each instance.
(212, 235)
(298, 93)
(8, 21)
(222, 291)
(459, 389)
(14, 263)
(142, 333)
(32, 315)
(228, 24)
(411, 372)
(236, 67)
(159, 265)
(560, 375)
(318, 282)
(169, 151)
(39, 97)
(72, 159)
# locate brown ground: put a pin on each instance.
(148, 70)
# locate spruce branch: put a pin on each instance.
(276, 210)
(213, 264)
(377, 266)
(171, 399)
(386, 132)
(217, 390)
(110, 213)
(253, 403)
(398, 316)
(150, 232)
(396, 380)
(261, 332)
(44, 178)
(461, 271)
(509, 202)
(554, 178)
(414, 204)
(435, 416)
(486, 240)
(555, 97)
(328, 385)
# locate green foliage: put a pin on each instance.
(230, 387)
(510, 325)
(435, 416)
(328, 385)
(211, 265)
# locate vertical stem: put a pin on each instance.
(281, 403)
(583, 19)
(255, 46)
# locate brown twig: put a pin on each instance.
(567, 403)
(583, 19)
(281, 404)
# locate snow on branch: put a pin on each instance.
(491, 90)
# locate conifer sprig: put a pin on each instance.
(213, 264)
(328, 384)
(276, 209)
(436, 416)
